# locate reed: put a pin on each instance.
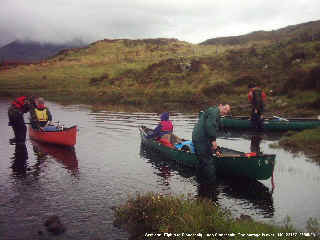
(154, 213)
(307, 141)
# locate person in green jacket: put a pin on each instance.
(204, 137)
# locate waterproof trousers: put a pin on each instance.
(207, 163)
(256, 120)
(16, 121)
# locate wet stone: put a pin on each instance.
(53, 224)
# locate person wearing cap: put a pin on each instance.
(16, 111)
(41, 115)
(204, 137)
(257, 98)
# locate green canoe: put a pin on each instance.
(270, 124)
(232, 163)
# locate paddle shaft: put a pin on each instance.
(280, 118)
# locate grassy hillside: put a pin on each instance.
(173, 73)
(309, 31)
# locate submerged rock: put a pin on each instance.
(54, 225)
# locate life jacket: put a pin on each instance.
(166, 142)
(19, 102)
(257, 101)
(166, 127)
(41, 114)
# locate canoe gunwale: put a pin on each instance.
(293, 119)
(269, 124)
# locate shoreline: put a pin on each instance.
(290, 141)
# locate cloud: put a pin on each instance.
(188, 20)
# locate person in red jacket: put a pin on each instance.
(17, 109)
(257, 98)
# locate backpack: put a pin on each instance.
(257, 100)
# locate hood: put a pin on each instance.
(41, 106)
(164, 116)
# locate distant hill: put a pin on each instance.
(31, 51)
(294, 33)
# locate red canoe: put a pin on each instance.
(65, 137)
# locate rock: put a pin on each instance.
(244, 217)
(54, 225)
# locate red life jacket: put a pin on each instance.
(166, 126)
(19, 102)
(166, 142)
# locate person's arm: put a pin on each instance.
(264, 97)
(216, 148)
(34, 120)
(156, 132)
(49, 115)
(250, 96)
(212, 126)
(214, 145)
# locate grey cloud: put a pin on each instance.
(189, 20)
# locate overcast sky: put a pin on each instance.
(193, 21)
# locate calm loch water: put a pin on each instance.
(108, 164)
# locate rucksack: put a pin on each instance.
(257, 100)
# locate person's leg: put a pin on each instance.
(15, 132)
(207, 165)
(260, 121)
(21, 129)
(11, 122)
(254, 119)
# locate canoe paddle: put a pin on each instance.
(280, 118)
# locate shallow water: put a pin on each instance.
(108, 164)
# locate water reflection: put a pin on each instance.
(111, 169)
(210, 191)
(65, 156)
(162, 168)
(249, 192)
(19, 161)
(242, 134)
(255, 143)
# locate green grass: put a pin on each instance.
(153, 71)
(154, 213)
(307, 141)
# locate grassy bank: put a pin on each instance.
(307, 141)
(154, 216)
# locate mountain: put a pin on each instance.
(32, 51)
(294, 33)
